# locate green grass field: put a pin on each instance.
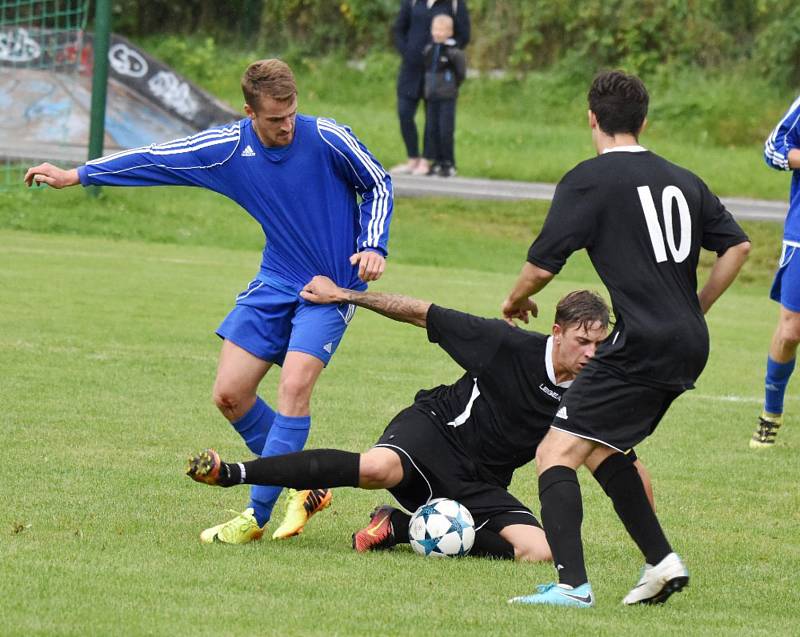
(107, 312)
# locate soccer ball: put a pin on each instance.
(442, 528)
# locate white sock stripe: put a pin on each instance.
(243, 475)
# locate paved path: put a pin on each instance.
(500, 190)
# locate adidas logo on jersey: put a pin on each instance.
(328, 347)
(248, 151)
(562, 413)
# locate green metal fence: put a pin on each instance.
(41, 47)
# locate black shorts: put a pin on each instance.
(610, 410)
(434, 467)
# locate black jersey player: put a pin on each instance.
(643, 221)
(461, 441)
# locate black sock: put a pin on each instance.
(400, 522)
(491, 544)
(562, 515)
(312, 469)
(621, 482)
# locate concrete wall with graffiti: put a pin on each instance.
(45, 96)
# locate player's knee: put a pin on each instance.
(789, 332)
(377, 472)
(229, 401)
(542, 456)
(294, 394)
(533, 552)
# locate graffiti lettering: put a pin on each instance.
(173, 93)
(18, 46)
(126, 61)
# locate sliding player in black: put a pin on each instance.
(461, 441)
(642, 221)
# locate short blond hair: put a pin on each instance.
(272, 78)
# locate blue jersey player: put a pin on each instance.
(324, 203)
(782, 152)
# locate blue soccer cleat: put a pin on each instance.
(555, 595)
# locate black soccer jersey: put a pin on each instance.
(498, 412)
(642, 221)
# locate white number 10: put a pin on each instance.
(670, 193)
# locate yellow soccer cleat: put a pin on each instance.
(767, 430)
(301, 505)
(240, 530)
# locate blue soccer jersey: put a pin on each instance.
(784, 138)
(319, 199)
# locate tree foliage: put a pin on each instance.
(518, 35)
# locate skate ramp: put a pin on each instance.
(46, 104)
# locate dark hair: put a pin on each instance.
(619, 101)
(582, 308)
(272, 78)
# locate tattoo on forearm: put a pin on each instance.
(395, 306)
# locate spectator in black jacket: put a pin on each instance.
(412, 32)
(446, 68)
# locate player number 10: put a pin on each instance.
(670, 194)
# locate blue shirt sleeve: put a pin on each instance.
(370, 180)
(189, 161)
(784, 138)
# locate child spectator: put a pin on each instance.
(446, 68)
(412, 32)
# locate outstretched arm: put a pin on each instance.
(395, 306)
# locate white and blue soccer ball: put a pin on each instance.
(442, 528)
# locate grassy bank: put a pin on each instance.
(530, 128)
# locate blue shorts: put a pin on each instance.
(268, 321)
(786, 286)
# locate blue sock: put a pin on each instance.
(254, 426)
(775, 384)
(288, 434)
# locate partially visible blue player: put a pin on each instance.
(324, 203)
(782, 152)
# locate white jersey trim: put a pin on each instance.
(776, 158)
(625, 149)
(380, 203)
(414, 464)
(199, 141)
(602, 442)
(464, 415)
(548, 364)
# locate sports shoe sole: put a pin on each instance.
(204, 467)
(675, 585)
